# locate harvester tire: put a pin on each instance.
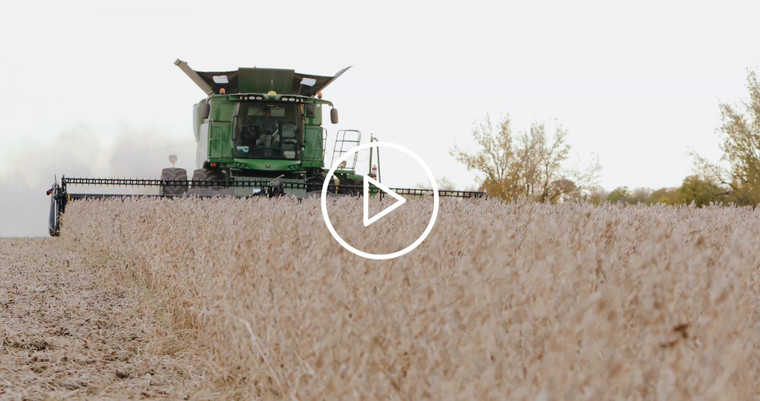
(173, 174)
(204, 174)
(56, 205)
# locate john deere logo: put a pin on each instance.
(269, 165)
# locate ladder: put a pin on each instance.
(345, 140)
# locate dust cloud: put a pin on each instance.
(28, 166)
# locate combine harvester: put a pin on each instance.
(258, 133)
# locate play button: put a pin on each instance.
(367, 194)
(399, 200)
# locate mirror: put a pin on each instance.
(334, 116)
(205, 111)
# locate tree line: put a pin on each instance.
(694, 189)
(532, 164)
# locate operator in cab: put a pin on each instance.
(268, 131)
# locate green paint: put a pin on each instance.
(238, 134)
(267, 165)
(313, 155)
(220, 140)
(262, 80)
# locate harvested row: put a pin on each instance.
(502, 301)
(69, 329)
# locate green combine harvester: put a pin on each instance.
(259, 133)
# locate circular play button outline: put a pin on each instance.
(380, 256)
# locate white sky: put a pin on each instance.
(90, 87)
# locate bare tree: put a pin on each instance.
(740, 132)
(527, 165)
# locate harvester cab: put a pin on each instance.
(260, 123)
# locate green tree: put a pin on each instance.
(701, 192)
(740, 133)
(641, 195)
(667, 196)
(523, 166)
(619, 195)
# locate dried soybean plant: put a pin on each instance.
(518, 301)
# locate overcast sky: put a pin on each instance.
(90, 88)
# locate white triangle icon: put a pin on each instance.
(400, 200)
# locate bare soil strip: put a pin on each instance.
(67, 331)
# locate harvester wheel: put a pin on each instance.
(57, 204)
(314, 184)
(204, 174)
(173, 174)
(351, 187)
